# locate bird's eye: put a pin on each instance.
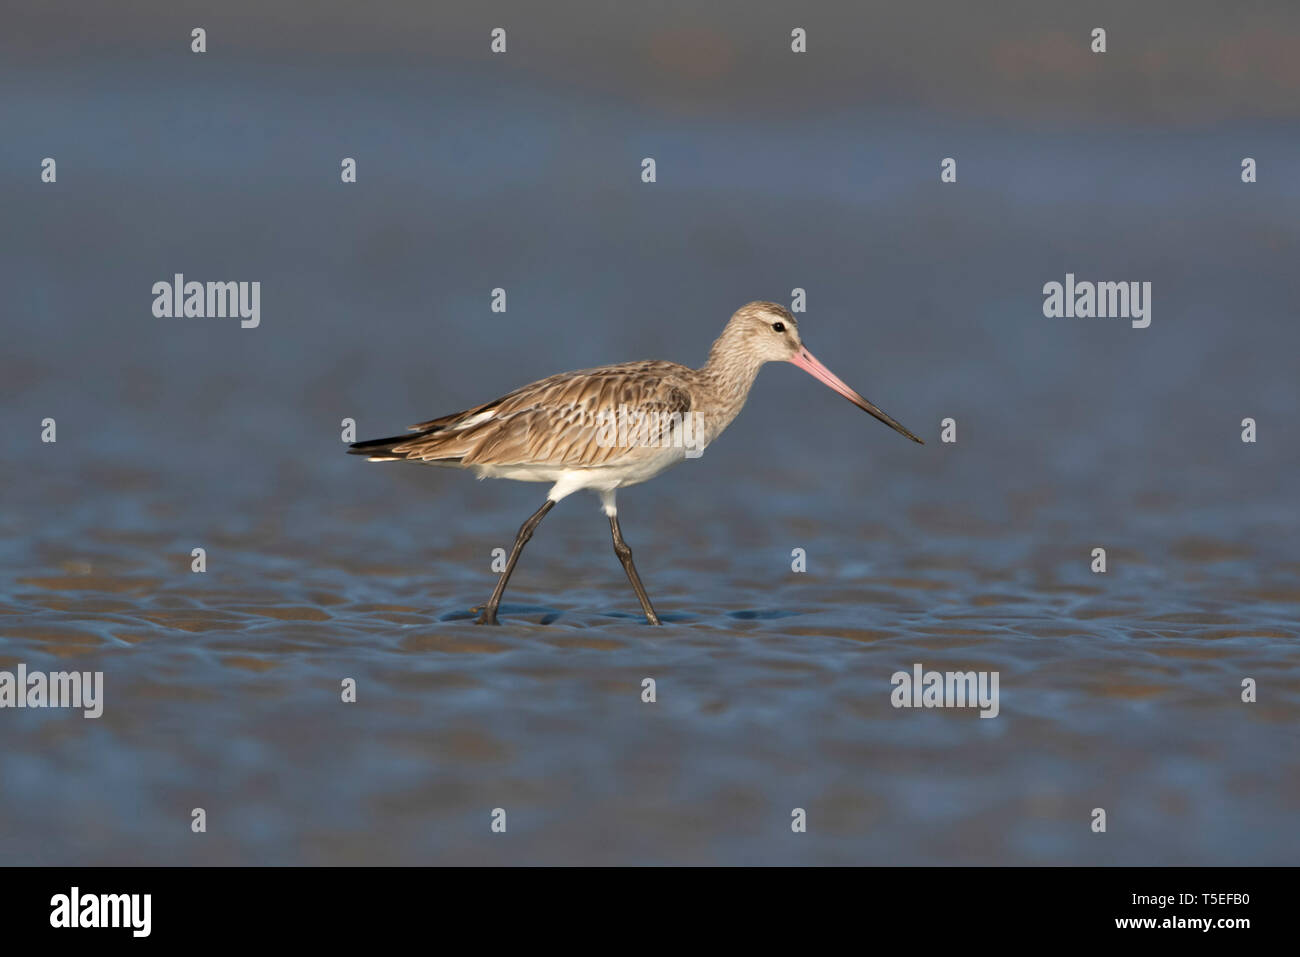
(778, 327)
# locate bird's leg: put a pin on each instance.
(624, 553)
(489, 615)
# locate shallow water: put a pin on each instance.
(222, 689)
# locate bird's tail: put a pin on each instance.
(390, 449)
(379, 450)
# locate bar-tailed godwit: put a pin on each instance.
(607, 428)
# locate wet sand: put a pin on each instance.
(222, 691)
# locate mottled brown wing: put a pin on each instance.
(571, 420)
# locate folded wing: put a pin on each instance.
(585, 419)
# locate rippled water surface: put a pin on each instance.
(1119, 691)
(222, 689)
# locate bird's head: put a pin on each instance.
(767, 332)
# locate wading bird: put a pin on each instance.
(607, 428)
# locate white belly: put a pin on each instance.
(602, 478)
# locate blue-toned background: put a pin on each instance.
(775, 171)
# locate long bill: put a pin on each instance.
(806, 361)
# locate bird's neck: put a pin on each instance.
(729, 374)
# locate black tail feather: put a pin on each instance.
(379, 446)
(381, 450)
